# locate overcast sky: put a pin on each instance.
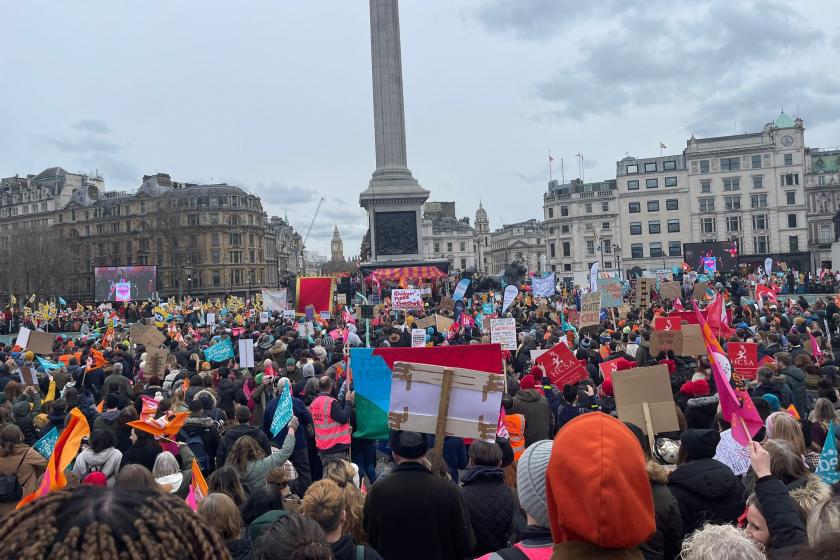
(275, 96)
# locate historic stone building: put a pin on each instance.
(337, 263)
(288, 249)
(445, 236)
(522, 242)
(822, 193)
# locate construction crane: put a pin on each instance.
(312, 223)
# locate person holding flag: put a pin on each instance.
(300, 456)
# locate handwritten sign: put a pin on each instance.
(406, 299)
(670, 290)
(664, 341)
(590, 314)
(611, 292)
(503, 331)
(418, 338)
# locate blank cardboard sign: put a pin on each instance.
(40, 342)
(648, 384)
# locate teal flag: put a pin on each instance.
(283, 413)
(827, 469)
(46, 444)
(61, 301)
(46, 364)
(220, 351)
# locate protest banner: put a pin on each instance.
(219, 352)
(643, 397)
(503, 331)
(511, 292)
(461, 289)
(643, 288)
(693, 343)
(732, 454)
(40, 342)
(403, 300)
(418, 338)
(288, 313)
(667, 324)
(46, 444)
(608, 368)
(28, 376)
(325, 315)
(246, 352)
(561, 366)
(744, 358)
(283, 412)
(156, 362)
(611, 292)
(211, 319)
(623, 310)
(275, 299)
(22, 339)
(147, 335)
(666, 340)
(341, 299)
(445, 401)
(590, 314)
(670, 290)
(447, 304)
(372, 373)
(543, 287)
(689, 317)
(442, 324)
(827, 468)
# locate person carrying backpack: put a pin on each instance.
(201, 434)
(20, 467)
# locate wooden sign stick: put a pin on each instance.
(649, 426)
(443, 413)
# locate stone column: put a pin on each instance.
(386, 59)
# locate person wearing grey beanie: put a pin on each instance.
(533, 541)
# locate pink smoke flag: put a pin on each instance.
(737, 407)
(678, 306)
(815, 348)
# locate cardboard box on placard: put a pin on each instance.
(663, 341)
(503, 331)
(648, 384)
(693, 343)
(40, 342)
(700, 289)
(28, 376)
(590, 315)
(418, 338)
(670, 290)
(447, 304)
(475, 399)
(426, 322)
(667, 324)
(442, 323)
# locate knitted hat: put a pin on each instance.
(773, 400)
(29, 356)
(699, 443)
(96, 478)
(526, 382)
(699, 388)
(290, 361)
(530, 480)
(308, 370)
(585, 343)
(607, 387)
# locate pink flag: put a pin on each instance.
(678, 305)
(815, 348)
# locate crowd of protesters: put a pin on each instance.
(570, 481)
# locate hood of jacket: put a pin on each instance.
(606, 499)
(528, 395)
(703, 401)
(199, 422)
(705, 477)
(204, 399)
(809, 491)
(483, 474)
(99, 459)
(794, 373)
(110, 416)
(21, 408)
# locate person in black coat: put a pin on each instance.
(413, 514)
(492, 503)
(706, 490)
(143, 451)
(244, 428)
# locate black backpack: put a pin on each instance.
(10, 488)
(196, 445)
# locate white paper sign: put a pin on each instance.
(211, 319)
(503, 331)
(246, 353)
(732, 454)
(288, 313)
(418, 338)
(23, 337)
(310, 328)
(263, 316)
(406, 299)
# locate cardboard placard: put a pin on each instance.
(442, 324)
(590, 315)
(700, 289)
(503, 331)
(611, 292)
(474, 400)
(643, 288)
(341, 299)
(211, 319)
(663, 341)
(447, 304)
(670, 290)
(40, 342)
(156, 362)
(418, 338)
(246, 353)
(22, 339)
(28, 376)
(264, 317)
(147, 335)
(425, 322)
(689, 317)
(623, 310)
(667, 324)
(649, 385)
(693, 343)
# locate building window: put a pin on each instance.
(790, 179)
(793, 241)
(551, 250)
(704, 166)
(650, 167)
(235, 257)
(826, 234)
(706, 204)
(761, 244)
(732, 202)
(635, 228)
(437, 247)
(588, 207)
(730, 164)
(791, 197)
(756, 161)
(463, 246)
(633, 185)
(215, 256)
(673, 226)
(449, 247)
(193, 219)
(733, 224)
(788, 160)
(653, 226)
(674, 248)
(758, 201)
(605, 225)
(636, 251)
(567, 248)
(551, 212)
(234, 239)
(732, 184)
(632, 168)
(708, 225)
(823, 204)
(759, 221)
(567, 267)
(670, 181)
(605, 207)
(672, 204)
(565, 229)
(590, 247)
(758, 181)
(706, 186)
(564, 210)
(792, 220)
(656, 249)
(634, 207)
(606, 246)
(651, 183)
(463, 264)
(588, 227)
(653, 206)
(669, 165)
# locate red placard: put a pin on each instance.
(688, 316)
(561, 366)
(744, 358)
(608, 368)
(667, 324)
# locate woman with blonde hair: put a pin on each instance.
(781, 425)
(824, 416)
(222, 515)
(324, 503)
(344, 474)
(824, 521)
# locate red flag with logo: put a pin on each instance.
(744, 358)
(667, 324)
(561, 366)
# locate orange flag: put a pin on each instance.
(792, 411)
(96, 360)
(100, 406)
(198, 487)
(63, 453)
(168, 425)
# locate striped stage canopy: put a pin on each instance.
(407, 273)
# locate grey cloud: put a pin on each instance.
(282, 194)
(93, 126)
(85, 145)
(539, 19)
(114, 169)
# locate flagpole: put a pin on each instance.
(562, 172)
(549, 165)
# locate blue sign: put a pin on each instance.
(461, 289)
(46, 444)
(827, 469)
(46, 364)
(487, 308)
(220, 351)
(283, 414)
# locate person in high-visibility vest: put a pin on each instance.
(332, 423)
(515, 424)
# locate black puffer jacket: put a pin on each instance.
(491, 504)
(23, 419)
(795, 378)
(707, 491)
(665, 543)
(700, 412)
(539, 421)
(787, 531)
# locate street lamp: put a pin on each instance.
(188, 269)
(617, 252)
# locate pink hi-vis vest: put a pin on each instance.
(328, 432)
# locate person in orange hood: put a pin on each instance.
(600, 504)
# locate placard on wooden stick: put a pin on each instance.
(643, 397)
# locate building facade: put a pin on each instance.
(749, 188)
(482, 234)
(522, 242)
(653, 219)
(580, 223)
(822, 193)
(447, 237)
(288, 247)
